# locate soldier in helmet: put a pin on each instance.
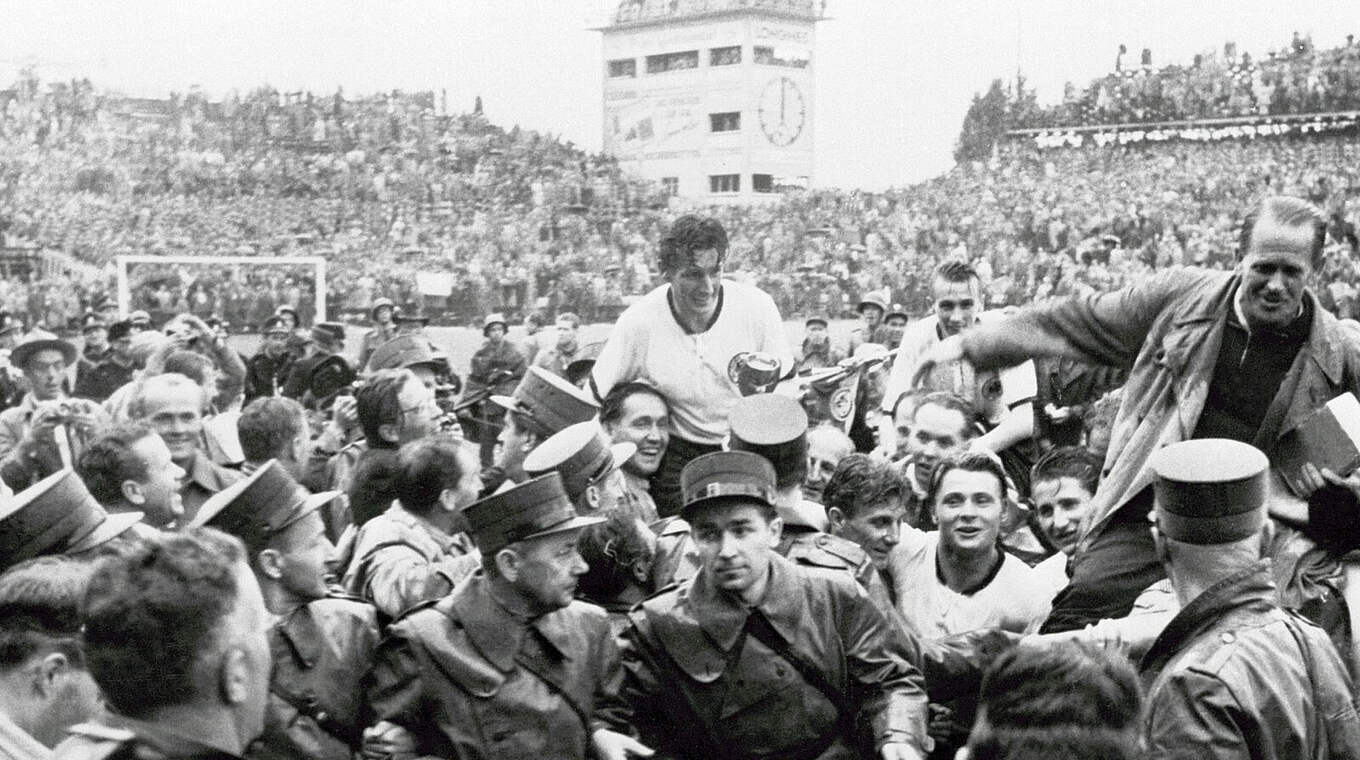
(384, 329)
(497, 366)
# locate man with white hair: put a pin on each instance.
(173, 405)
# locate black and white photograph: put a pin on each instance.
(679, 379)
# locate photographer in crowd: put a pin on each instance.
(48, 429)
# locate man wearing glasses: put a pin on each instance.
(393, 407)
(1006, 405)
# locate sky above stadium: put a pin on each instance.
(893, 77)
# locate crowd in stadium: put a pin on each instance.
(385, 187)
(1299, 78)
(1074, 488)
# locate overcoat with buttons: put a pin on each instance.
(691, 688)
(320, 652)
(1235, 676)
(472, 682)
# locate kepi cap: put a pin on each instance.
(581, 454)
(535, 508)
(773, 426)
(1209, 490)
(548, 402)
(495, 318)
(726, 475)
(53, 516)
(259, 507)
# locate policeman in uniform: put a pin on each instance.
(384, 329)
(497, 366)
(95, 344)
(97, 380)
(588, 464)
(57, 515)
(508, 666)
(758, 657)
(321, 644)
(267, 371)
(543, 404)
(1233, 671)
(775, 427)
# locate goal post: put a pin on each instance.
(317, 263)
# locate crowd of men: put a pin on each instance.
(1058, 531)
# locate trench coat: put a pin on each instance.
(1235, 676)
(320, 652)
(472, 682)
(697, 682)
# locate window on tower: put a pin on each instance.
(670, 185)
(789, 58)
(725, 122)
(724, 56)
(724, 183)
(660, 64)
(622, 67)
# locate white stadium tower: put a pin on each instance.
(713, 99)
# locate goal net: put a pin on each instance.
(237, 288)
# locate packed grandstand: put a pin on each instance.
(456, 216)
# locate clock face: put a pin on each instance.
(782, 110)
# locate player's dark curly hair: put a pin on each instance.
(688, 234)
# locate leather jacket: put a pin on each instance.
(700, 686)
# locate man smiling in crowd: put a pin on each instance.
(684, 338)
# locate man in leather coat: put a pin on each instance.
(759, 657)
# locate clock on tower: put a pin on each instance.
(782, 111)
